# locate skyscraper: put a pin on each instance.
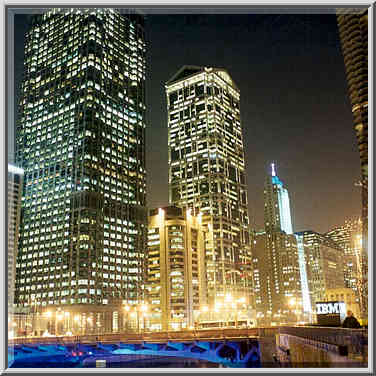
(206, 169)
(15, 179)
(353, 30)
(277, 204)
(81, 142)
(276, 261)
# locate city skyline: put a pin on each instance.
(313, 178)
(138, 222)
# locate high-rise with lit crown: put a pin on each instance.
(206, 170)
(277, 204)
(277, 265)
(81, 142)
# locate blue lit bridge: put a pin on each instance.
(251, 347)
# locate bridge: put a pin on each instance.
(229, 347)
(246, 347)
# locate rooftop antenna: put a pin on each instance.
(273, 169)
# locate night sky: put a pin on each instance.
(294, 105)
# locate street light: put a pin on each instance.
(143, 309)
(58, 317)
(76, 319)
(127, 309)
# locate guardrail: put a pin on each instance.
(185, 335)
(355, 341)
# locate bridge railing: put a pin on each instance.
(355, 340)
(184, 335)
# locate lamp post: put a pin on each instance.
(228, 302)
(143, 309)
(58, 317)
(67, 321)
(48, 314)
(126, 310)
(76, 319)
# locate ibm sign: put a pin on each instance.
(330, 313)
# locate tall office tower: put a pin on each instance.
(353, 31)
(15, 180)
(347, 237)
(276, 259)
(206, 170)
(277, 204)
(176, 282)
(324, 263)
(81, 142)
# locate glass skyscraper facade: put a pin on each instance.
(15, 178)
(206, 170)
(81, 143)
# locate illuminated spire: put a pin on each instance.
(273, 169)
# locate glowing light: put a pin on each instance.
(66, 314)
(228, 298)
(218, 305)
(48, 313)
(160, 212)
(127, 308)
(273, 169)
(15, 170)
(205, 309)
(144, 307)
(76, 318)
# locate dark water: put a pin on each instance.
(147, 362)
(158, 362)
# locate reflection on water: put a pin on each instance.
(159, 362)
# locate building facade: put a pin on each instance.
(276, 267)
(81, 142)
(353, 31)
(346, 295)
(207, 170)
(176, 272)
(347, 237)
(15, 180)
(324, 264)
